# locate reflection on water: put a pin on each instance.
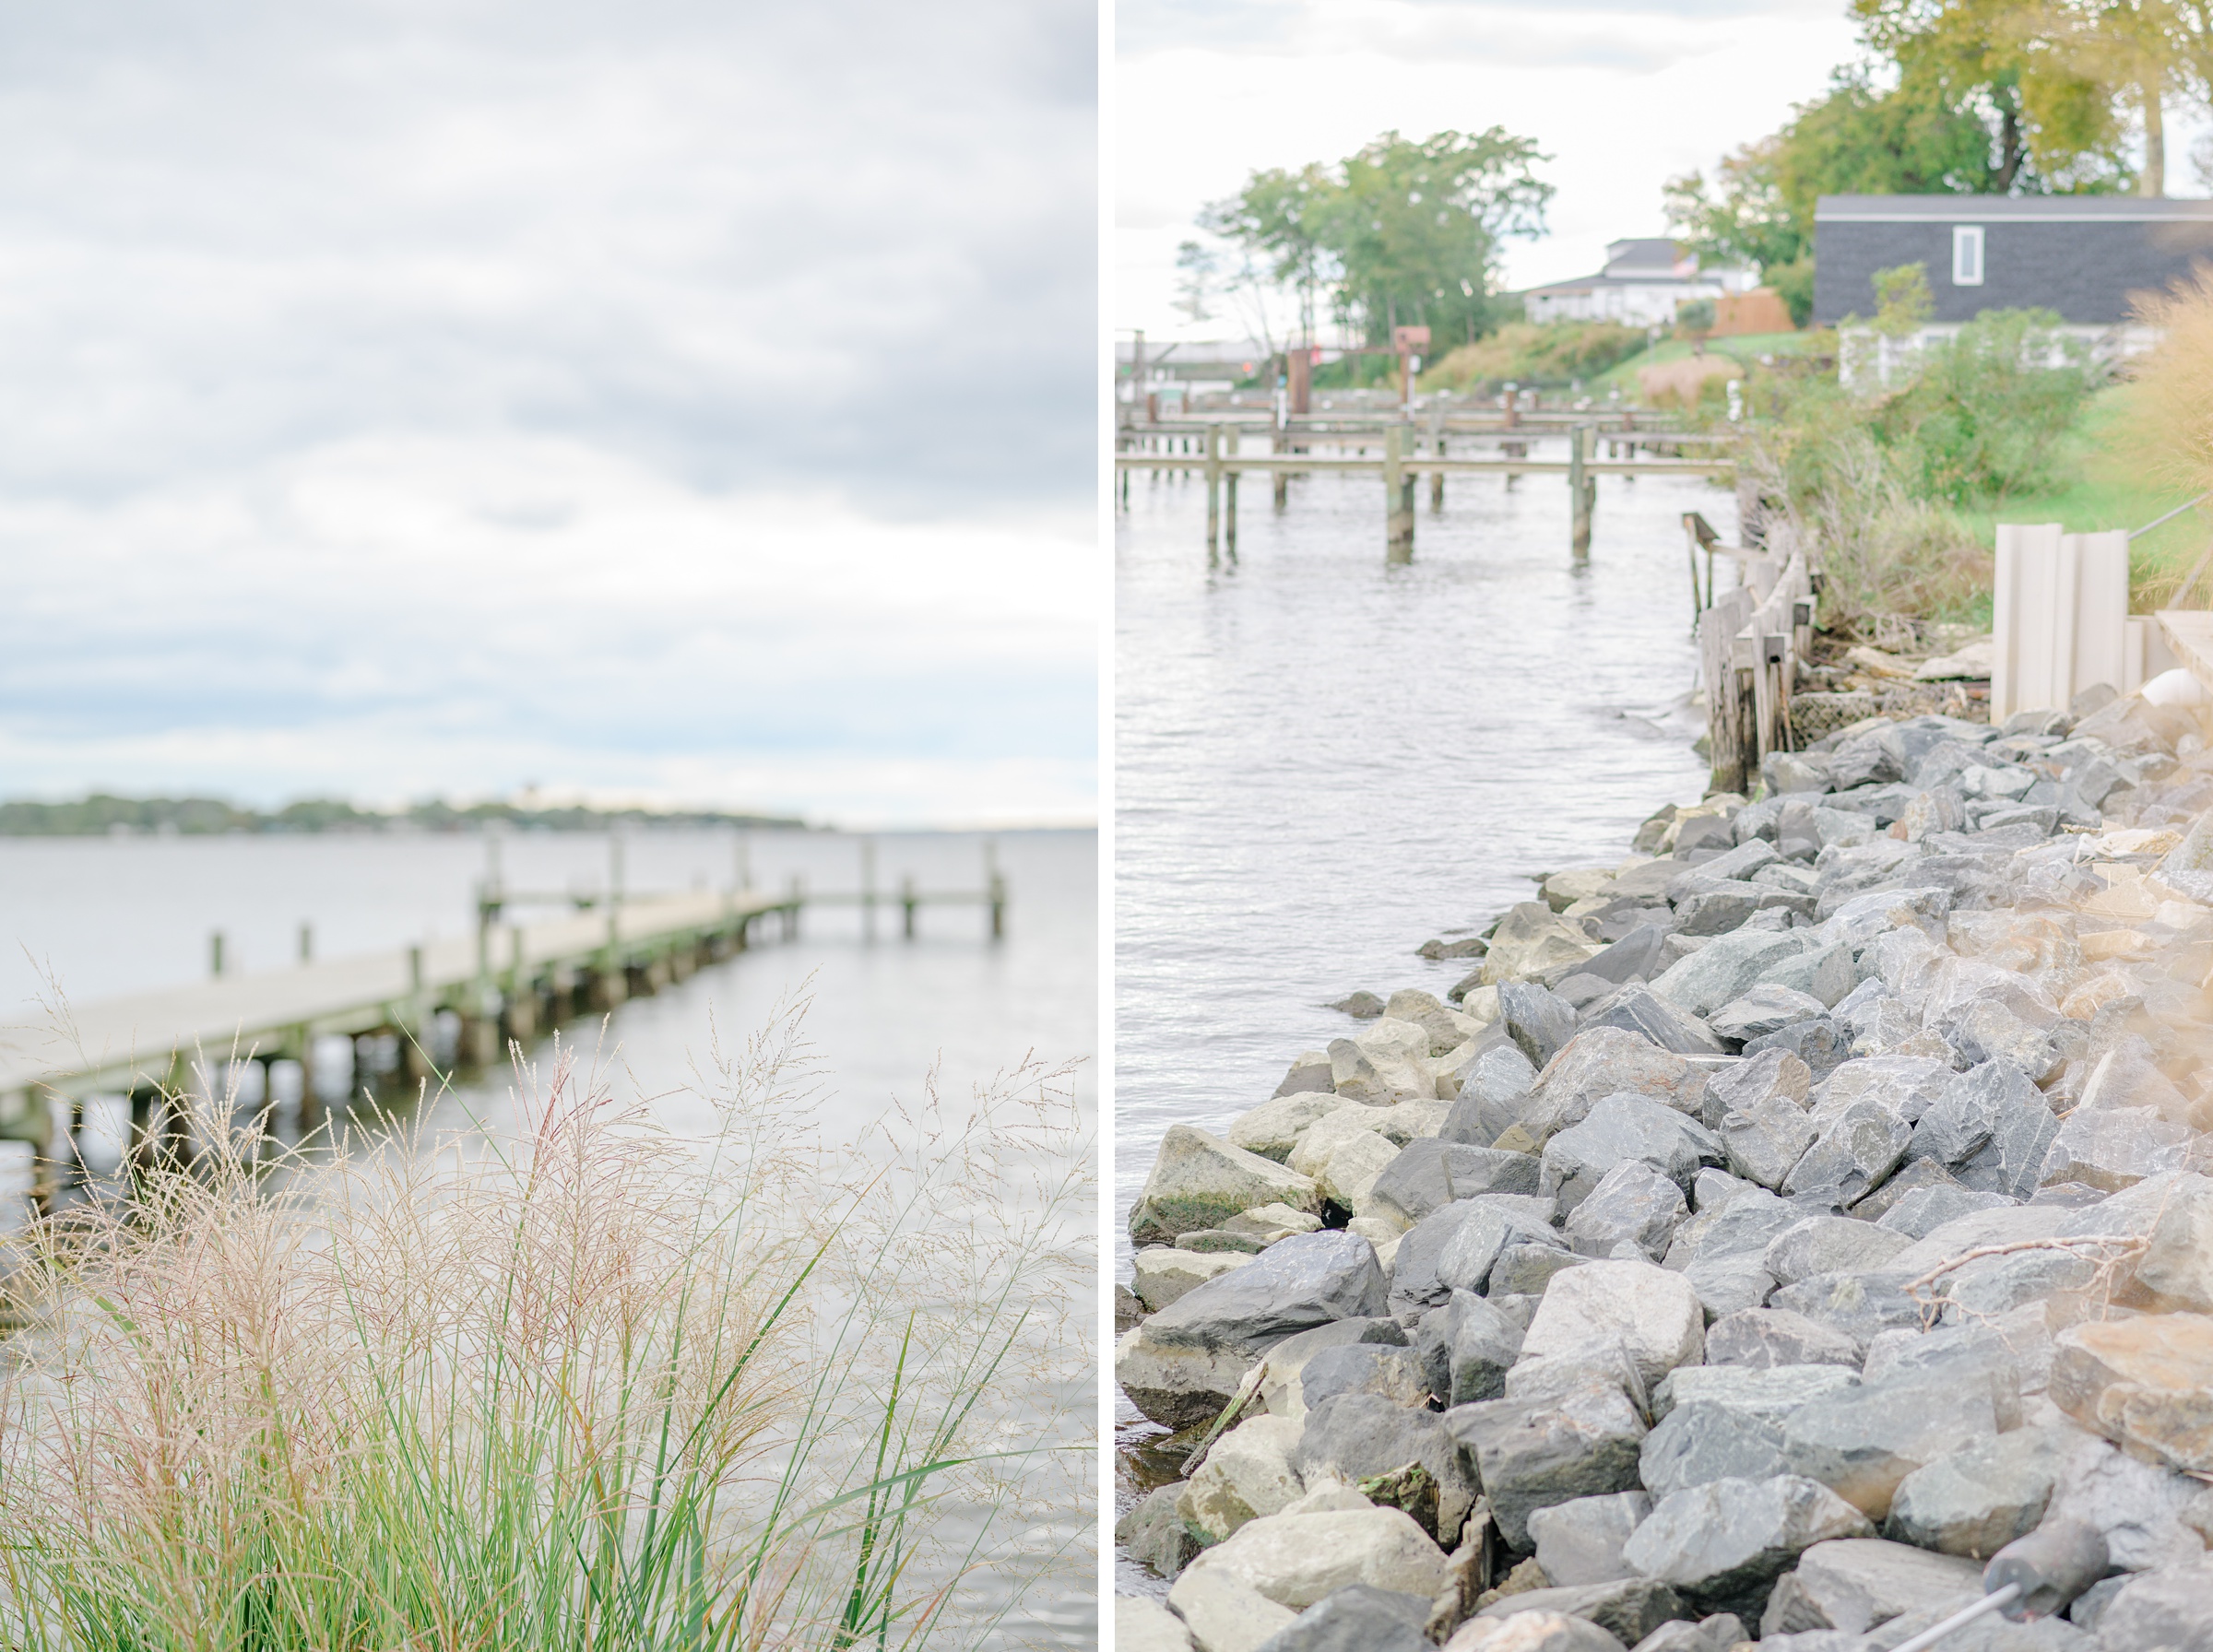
(104, 918)
(1322, 762)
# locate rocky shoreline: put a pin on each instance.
(1772, 1226)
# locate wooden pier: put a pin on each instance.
(1409, 448)
(508, 980)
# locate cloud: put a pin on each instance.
(398, 394)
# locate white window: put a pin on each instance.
(1967, 254)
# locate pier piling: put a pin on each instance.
(1398, 498)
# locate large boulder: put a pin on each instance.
(1855, 1151)
(1830, 1245)
(1224, 1613)
(2171, 1609)
(1531, 1454)
(1144, 1625)
(1177, 1387)
(1726, 968)
(1453, 1248)
(1722, 1544)
(1532, 1632)
(1356, 1436)
(1603, 1061)
(2178, 1262)
(2145, 1384)
(1653, 1314)
(1533, 940)
(1991, 1128)
(1765, 1338)
(1628, 1609)
(1282, 1390)
(1386, 1061)
(1426, 1175)
(1859, 1305)
(1294, 1285)
(1494, 1078)
(1618, 1129)
(1247, 1474)
(1298, 1559)
(1164, 1273)
(1200, 1181)
(1343, 1154)
(1153, 1533)
(1579, 1541)
(1862, 1442)
(1858, 1584)
(1273, 1128)
(1633, 1204)
(1976, 1501)
(1357, 1618)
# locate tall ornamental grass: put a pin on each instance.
(583, 1382)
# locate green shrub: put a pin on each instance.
(1527, 353)
(1984, 413)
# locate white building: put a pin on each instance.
(1642, 283)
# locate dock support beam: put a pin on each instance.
(1398, 498)
(1582, 492)
(1213, 495)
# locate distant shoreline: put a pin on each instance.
(101, 815)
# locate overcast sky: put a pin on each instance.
(676, 400)
(1621, 94)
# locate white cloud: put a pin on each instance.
(406, 394)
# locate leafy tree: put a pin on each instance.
(1405, 232)
(1196, 267)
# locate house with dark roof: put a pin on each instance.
(1643, 282)
(2084, 256)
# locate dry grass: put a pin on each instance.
(2168, 426)
(581, 1383)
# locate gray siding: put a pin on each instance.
(2086, 271)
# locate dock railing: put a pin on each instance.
(1750, 640)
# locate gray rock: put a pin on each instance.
(1724, 970)
(1628, 1609)
(1466, 1261)
(1199, 1181)
(1357, 1618)
(1635, 957)
(1143, 1624)
(1908, 1085)
(1636, 1009)
(1975, 1502)
(1579, 1541)
(1429, 1174)
(1175, 1386)
(1360, 1003)
(1538, 1022)
(1766, 1009)
(1711, 1190)
(1991, 1128)
(1968, 1356)
(1817, 1244)
(1825, 974)
(1765, 1139)
(1726, 1285)
(1861, 1443)
(1856, 1150)
(1723, 1544)
(1776, 1076)
(1764, 1339)
(1493, 1090)
(2090, 1606)
(1859, 1305)
(1744, 1226)
(1821, 1042)
(1648, 1310)
(2170, 1610)
(1857, 1583)
(1153, 1534)
(1395, 1374)
(1534, 1631)
(1533, 1454)
(1694, 1445)
(1603, 1061)
(1500, 1218)
(2112, 1149)
(1860, 915)
(1485, 1342)
(1309, 1073)
(1768, 1391)
(1912, 1178)
(1618, 1130)
(1924, 1209)
(1524, 1270)
(1992, 1032)
(1294, 1285)
(1717, 905)
(1273, 1128)
(1632, 1204)
(1356, 1435)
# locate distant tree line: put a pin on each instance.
(100, 814)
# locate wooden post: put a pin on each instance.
(1229, 513)
(215, 953)
(1302, 381)
(906, 903)
(307, 943)
(1214, 494)
(1578, 491)
(1398, 503)
(1280, 444)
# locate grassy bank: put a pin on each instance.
(582, 1383)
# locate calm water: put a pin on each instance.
(1322, 762)
(106, 916)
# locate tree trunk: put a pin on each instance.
(2009, 150)
(2154, 180)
